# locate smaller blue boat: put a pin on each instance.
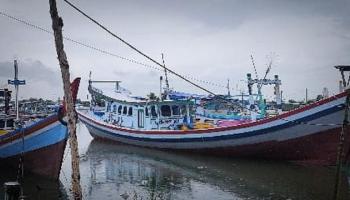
(37, 144)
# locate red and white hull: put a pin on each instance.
(309, 134)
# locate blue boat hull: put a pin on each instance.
(41, 144)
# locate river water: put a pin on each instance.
(117, 171)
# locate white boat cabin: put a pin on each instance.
(153, 115)
(6, 123)
(119, 108)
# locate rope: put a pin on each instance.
(20, 171)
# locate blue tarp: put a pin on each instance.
(182, 95)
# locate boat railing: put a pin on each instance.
(96, 90)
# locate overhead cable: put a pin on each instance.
(136, 49)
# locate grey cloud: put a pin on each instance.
(41, 81)
(207, 39)
(230, 13)
(31, 71)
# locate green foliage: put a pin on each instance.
(152, 96)
(292, 101)
(319, 97)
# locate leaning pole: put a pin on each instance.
(57, 24)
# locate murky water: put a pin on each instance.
(116, 171)
(35, 187)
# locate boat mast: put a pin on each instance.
(160, 87)
(16, 83)
(16, 88)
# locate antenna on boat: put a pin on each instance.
(166, 92)
(256, 73)
(228, 88)
(16, 83)
(258, 85)
(160, 87)
(250, 83)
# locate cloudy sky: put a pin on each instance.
(210, 40)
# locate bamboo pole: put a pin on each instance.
(57, 24)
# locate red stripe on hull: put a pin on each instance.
(46, 161)
(317, 149)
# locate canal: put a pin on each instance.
(117, 171)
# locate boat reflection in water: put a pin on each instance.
(118, 171)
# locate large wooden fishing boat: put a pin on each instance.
(308, 135)
(38, 144)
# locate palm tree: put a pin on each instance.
(152, 96)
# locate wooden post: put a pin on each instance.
(340, 156)
(57, 24)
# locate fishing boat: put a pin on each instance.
(229, 109)
(307, 135)
(36, 144)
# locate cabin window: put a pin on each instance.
(153, 111)
(146, 111)
(165, 110)
(10, 123)
(2, 124)
(115, 108)
(141, 120)
(175, 109)
(101, 103)
(183, 110)
(108, 107)
(125, 110)
(130, 111)
(120, 110)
